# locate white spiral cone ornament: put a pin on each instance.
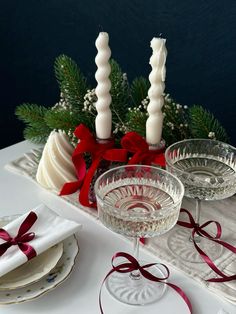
(56, 167)
(157, 76)
(103, 122)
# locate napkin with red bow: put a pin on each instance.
(31, 234)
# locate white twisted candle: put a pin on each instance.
(157, 78)
(103, 122)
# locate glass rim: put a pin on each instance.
(181, 185)
(168, 160)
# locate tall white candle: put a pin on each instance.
(157, 78)
(103, 121)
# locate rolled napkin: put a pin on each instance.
(48, 229)
(56, 166)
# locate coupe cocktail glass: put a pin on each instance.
(207, 168)
(138, 201)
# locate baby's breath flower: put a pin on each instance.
(178, 106)
(211, 135)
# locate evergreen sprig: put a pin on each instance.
(203, 123)
(33, 116)
(129, 108)
(31, 113)
(139, 90)
(119, 92)
(71, 81)
(64, 120)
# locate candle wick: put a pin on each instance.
(160, 35)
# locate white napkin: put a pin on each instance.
(49, 230)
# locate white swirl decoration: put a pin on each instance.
(103, 122)
(157, 78)
(55, 167)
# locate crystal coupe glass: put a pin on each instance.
(207, 169)
(138, 201)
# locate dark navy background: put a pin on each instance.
(201, 43)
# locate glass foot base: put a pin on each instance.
(136, 291)
(181, 245)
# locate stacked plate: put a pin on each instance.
(39, 275)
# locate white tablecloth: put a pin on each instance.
(79, 294)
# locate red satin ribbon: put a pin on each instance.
(131, 265)
(22, 237)
(98, 152)
(136, 145)
(199, 230)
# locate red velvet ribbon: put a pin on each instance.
(132, 265)
(98, 151)
(136, 145)
(22, 238)
(199, 230)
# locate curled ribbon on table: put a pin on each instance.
(22, 238)
(137, 145)
(199, 230)
(98, 151)
(132, 265)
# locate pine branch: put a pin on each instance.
(36, 134)
(136, 121)
(72, 83)
(202, 122)
(64, 120)
(176, 121)
(33, 115)
(119, 92)
(139, 90)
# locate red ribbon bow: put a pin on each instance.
(199, 230)
(22, 237)
(98, 152)
(131, 265)
(135, 144)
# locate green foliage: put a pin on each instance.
(35, 134)
(129, 109)
(176, 121)
(175, 124)
(71, 81)
(119, 93)
(33, 116)
(64, 120)
(31, 113)
(139, 90)
(136, 121)
(202, 122)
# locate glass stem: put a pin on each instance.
(198, 211)
(197, 238)
(135, 275)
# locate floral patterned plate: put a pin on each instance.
(55, 277)
(33, 270)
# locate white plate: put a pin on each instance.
(32, 270)
(55, 277)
